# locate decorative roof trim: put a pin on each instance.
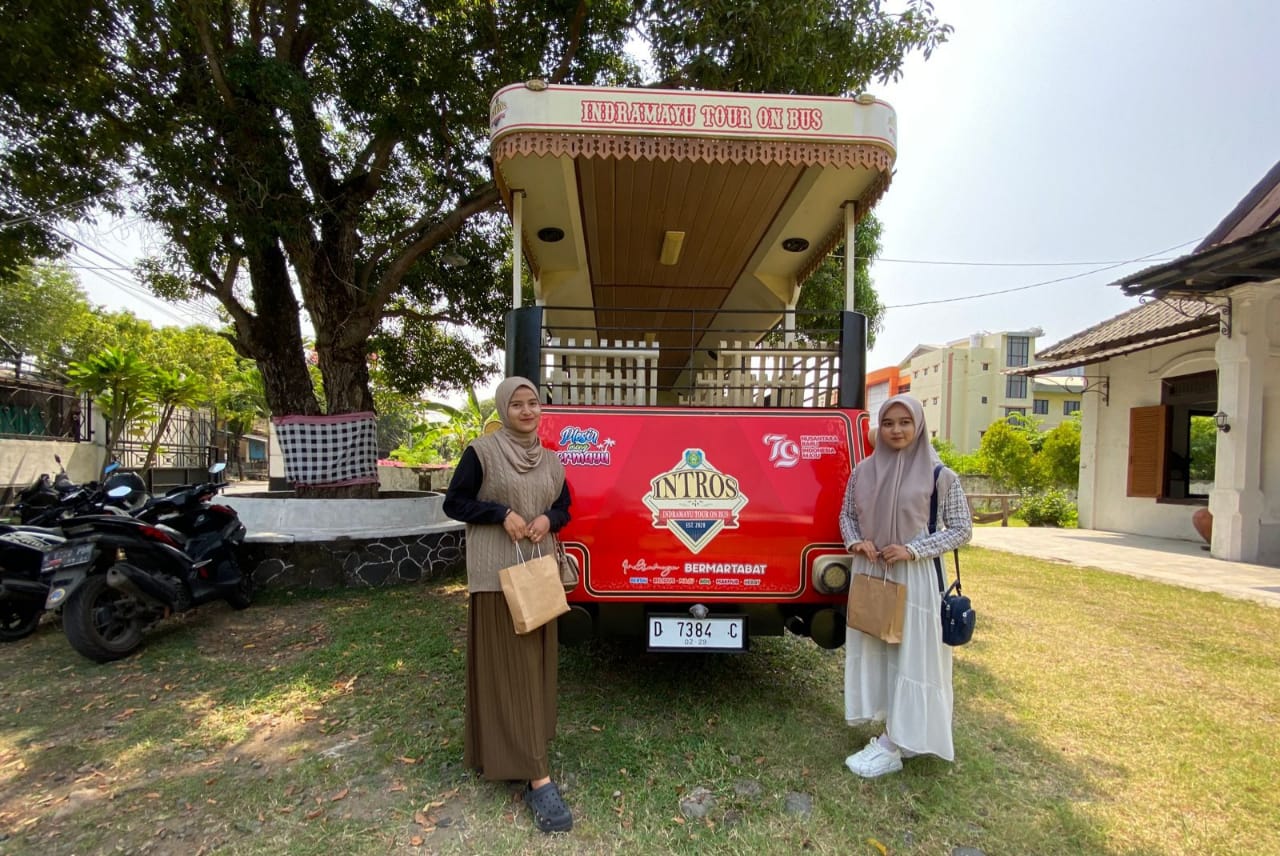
(786, 152)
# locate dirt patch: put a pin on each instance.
(264, 638)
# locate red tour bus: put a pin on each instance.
(706, 426)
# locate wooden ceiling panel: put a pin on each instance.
(629, 205)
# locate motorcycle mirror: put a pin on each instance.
(217, 468)
(119, 492)
(58, 459)
(110, 468)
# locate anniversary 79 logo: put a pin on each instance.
(694, 500)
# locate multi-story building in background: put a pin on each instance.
(963, 387)
(883, 384)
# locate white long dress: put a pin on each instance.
(908, 685)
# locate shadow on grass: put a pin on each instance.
(239, 727)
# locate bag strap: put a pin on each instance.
(933, 527)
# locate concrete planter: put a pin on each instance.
(400, 537)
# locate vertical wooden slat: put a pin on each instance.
(1148, 442)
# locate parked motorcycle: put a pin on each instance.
(22, 546)
(46, 502)
(22, 592)
(116, 577)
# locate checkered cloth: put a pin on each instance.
(327, 451)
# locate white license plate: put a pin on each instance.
(66, 557)
(685, 633)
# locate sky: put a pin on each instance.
(1046, 139)
(1084, 131)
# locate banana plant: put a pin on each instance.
(466, 422)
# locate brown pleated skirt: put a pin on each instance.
(511, 693)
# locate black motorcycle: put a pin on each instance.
(116, 577)
(22, 592)
(40, 507)
(47, 502)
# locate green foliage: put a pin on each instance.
(170, 390)
(338, 148)
(117, 380)
(44, 313)
(243, 400)
(1050, 507)
(1059, 457)
(824, 47)
(823, 292)
(1204, 448)
(433, 442)
(962, 464)
(1007, 456)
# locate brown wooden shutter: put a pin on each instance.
(1148, 442)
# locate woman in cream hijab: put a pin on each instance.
(885, 524)
(511, 493)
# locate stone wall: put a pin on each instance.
(354, 562)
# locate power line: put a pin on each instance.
(107, 275)
(1043, 283)
(28, 218)
(1010, 264)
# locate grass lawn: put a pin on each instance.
(1095, 713)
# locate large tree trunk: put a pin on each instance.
(342, 336)
(274, 337)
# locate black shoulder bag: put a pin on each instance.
(958, 617)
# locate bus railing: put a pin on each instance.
(590, 372)
(776, 367)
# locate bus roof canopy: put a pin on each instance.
(682, 200)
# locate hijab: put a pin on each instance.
(522, 450)
(891, 494)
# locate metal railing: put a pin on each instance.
(36, 409)
(747, 359)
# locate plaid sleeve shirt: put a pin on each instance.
(954, 530)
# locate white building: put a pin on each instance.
(1204, 352)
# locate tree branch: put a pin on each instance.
(424, 317)
(210, 54)
(223, 288)
(485, 198)
(575, 40)
(370, 168)
(255, 21)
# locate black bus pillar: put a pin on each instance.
(524, 343)
(853, 361)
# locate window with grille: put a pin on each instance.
(1018, 350)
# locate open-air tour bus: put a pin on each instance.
(706, 426)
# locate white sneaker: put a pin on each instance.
(874, 760)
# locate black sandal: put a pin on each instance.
(549, 811)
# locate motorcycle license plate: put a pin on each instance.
(68, 556)
(685, 633)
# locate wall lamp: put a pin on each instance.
(1221, 419)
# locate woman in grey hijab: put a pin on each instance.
(512, 494)
(885, 524)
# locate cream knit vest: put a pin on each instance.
(528, 494)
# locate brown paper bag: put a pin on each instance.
(877, 607)
(534, 592)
